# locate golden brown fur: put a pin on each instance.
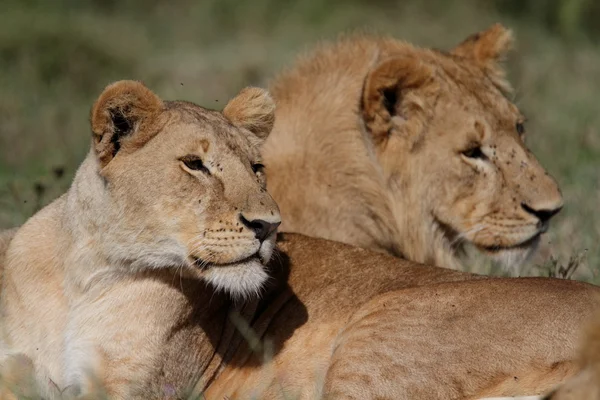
(410, 151)
(370, 327)
(101, 284)
(586, 384)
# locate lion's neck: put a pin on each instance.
(84, 219)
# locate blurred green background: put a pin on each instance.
(56, 57)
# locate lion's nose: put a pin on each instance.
(261, 228)
(543, 215)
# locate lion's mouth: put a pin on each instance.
(524, 245)
(456, 240)
(206, 265)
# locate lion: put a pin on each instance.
(156, 276)
(413, 152)
(166, 185)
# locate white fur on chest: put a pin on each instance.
(81, 358)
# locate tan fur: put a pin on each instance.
(586, 384)
(116, 101)
(139, 219)
(254, 111)
(103, 290)
(369, 144)
(5, 238)
(366, 326)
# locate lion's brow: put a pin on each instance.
(194, 111)
(221, 126)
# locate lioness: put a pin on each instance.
(410, 151)
(169, 192)
(127, 283)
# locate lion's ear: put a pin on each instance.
(487, 49)
(392, 93)
(123, 117)
(252, 109)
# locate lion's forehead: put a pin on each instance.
(484, 101)
(467, 86)
(195, 126)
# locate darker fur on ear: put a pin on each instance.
(253, 109)
(123, 113)
(487, 49)
(384, 87)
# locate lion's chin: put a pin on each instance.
(241, 280)
(511, 258)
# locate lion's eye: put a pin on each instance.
(520, 128)
(194, 163)
(474, 152)
(257, 168)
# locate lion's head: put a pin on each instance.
(414, 151)
(171, 184)
(443, 126)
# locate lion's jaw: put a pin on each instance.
(453, 249)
